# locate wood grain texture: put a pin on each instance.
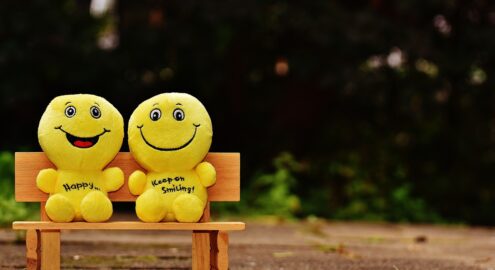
(128, 225)
(33, 250)
(223, 250)
(28, 164)
(50, 250)
(206, 213)
(200, 250)
(43, 214)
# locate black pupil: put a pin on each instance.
(178, 115)
(155, 115)
(96, 112)
(70, 111)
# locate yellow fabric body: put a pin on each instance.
(80, 134)
(169, 135)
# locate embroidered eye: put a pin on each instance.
(179, 114)
(155, 114)
(70, 111)
(95, 112)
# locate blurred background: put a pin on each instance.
(355, 110)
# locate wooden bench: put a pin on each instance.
(209, 239)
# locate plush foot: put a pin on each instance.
(149, 206)
(96, 207)
(188, 208)
(169, 217)
(59, 209)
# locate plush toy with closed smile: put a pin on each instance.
(170, 135)
(80, 134)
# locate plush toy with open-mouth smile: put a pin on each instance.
(80, 134)
(170, 135)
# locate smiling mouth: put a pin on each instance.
(172, 148)
(82, 142)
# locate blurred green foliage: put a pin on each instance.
(359, 197)
(268, 194)
(10, 210)
(366, 199)
(388, 106)
(273, 193)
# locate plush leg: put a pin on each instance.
(188, 208)
(150, 207)
(96, 207)
(59, 209)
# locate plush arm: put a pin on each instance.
(114, 178)
(137, 182)
(46, 180)
(207, 173)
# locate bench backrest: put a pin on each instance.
(28, 164)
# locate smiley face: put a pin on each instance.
(82, 142)
(170, 131)
(81, 132)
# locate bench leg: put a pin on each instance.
(200, 250)
(33, 244)
(219, 248)
(50, 250)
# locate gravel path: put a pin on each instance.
(305, 245)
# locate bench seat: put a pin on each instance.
(129, 225)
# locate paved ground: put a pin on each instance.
(305, 245)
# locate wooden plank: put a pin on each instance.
(223, 250)
(206, 213)
(219, 250)
(128, 225)
(33, 254)
(200, 250)
(50, 250)
(28, 164)
(43, 214)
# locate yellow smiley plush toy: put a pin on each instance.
(170, 135)
(80, 134)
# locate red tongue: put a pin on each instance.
(83, 144)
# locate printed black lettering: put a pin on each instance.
(178, 188)
(80, 186)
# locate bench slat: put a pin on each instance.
(28, 164)
(129, 225)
